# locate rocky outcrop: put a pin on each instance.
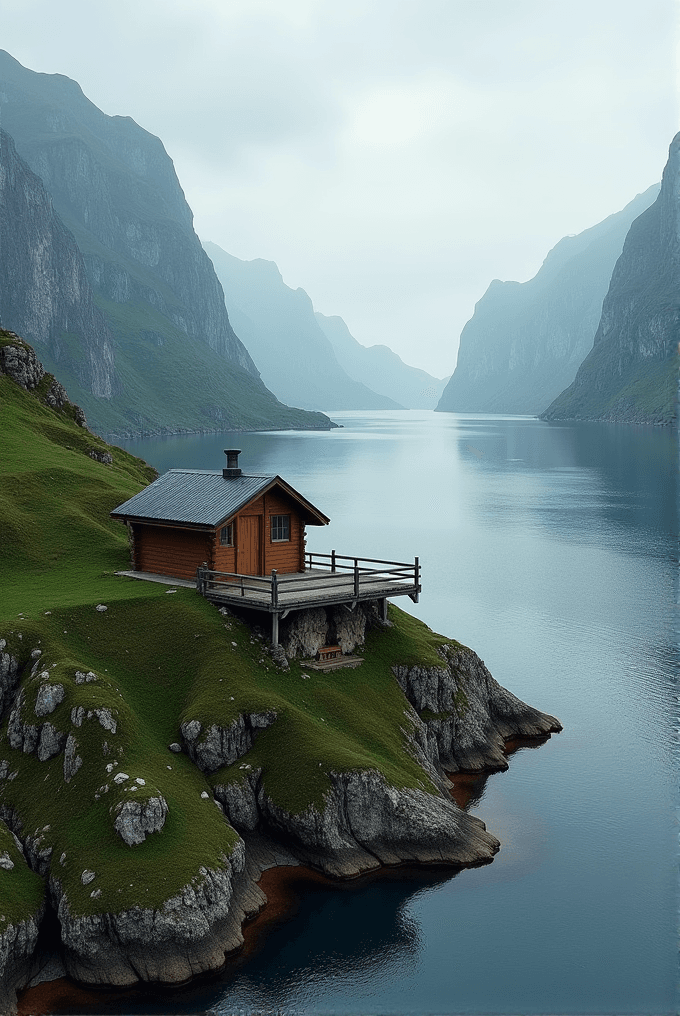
(9, 675)
(136, 819)
(467, 715)
(631, 373)
(526, 341)
(304, 632)
(363, 823)
(17, 949)
(188, 935)
(45, 295)
(222, 746)
(19, 361)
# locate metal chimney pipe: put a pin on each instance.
(232, 468)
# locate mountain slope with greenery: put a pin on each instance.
(631, 374)
(526, 341)
(168, 355)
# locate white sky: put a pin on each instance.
(392, 156)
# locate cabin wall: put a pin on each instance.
(286, 556)
(167, 550)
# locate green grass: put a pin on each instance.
(21, 890)
(160, 659)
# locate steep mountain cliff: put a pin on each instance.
(631, 373)
(44, 290)
(525, 341)
(381, 369)
(278, 326)
(178, 362)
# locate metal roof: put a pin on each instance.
(200, 497)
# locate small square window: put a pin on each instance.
(280, 528)
(227, 536)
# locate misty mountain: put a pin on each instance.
(381, 369)
(278, 326)
(631, 373)
(526, 341)
(174, 361)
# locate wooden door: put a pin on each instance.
(248, 536)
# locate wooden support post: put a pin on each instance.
(417, 577)
(383, 609)
(275, 629)
(332, 560)
(356, 577)
(275, 589)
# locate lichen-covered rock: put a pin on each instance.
(137, 818)
(220, 746)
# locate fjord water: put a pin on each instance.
(552, 551)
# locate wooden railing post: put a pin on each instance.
(332, 560)
(417, 577)
(356, 577)
(275, 589)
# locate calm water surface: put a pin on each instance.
(552, 551)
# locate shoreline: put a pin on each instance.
(283, 885)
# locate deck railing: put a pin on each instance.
(329, 575)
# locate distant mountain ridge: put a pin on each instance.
(381, 368)
(631, 373)
(526, 341)
(279, 328)
(178, 365)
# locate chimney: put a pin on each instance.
(232, 468)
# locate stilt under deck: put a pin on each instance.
(330, 579)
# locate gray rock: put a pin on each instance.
(87, 877)
(474, 714)
(222, 746)
(239, 800)
(51, 742)
(120, 778)
(72, 761)
(48, 698)
(77, 716)
(106, 719)
(136, 819)
(100, 606)
(365, 822)
(175, 747)
(6, 861)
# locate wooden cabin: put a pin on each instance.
(228, 521)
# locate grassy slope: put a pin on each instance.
(159, 658)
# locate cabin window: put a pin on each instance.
(227, 536)
(280, 528)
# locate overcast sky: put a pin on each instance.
(392, 156)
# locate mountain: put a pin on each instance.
(44, 289)
(278, 326)
(525, 341)
(168, 352)
(380, 368)
(631, 373)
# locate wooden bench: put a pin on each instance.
(328, 653)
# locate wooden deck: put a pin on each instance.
(329, 579)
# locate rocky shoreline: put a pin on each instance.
(456, 718)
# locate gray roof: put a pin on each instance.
(197, 496)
